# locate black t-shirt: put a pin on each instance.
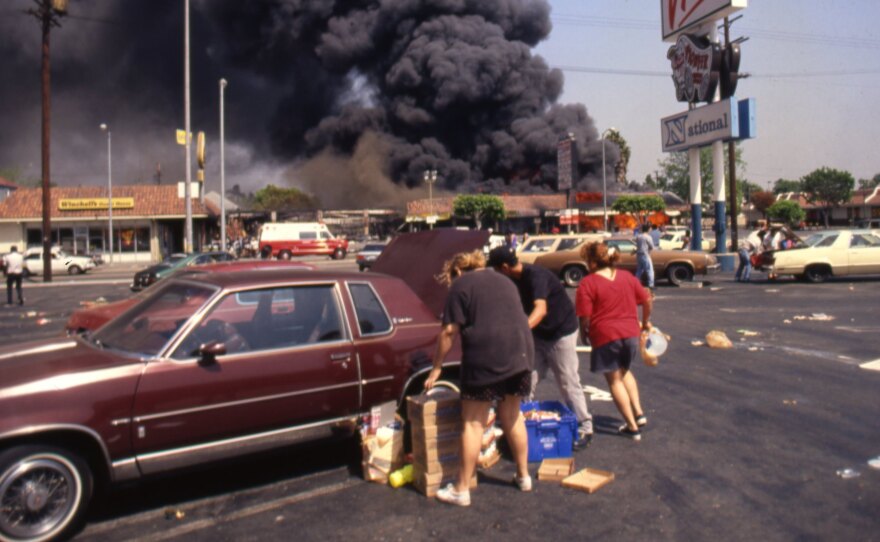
(539, 283)
(495, 338)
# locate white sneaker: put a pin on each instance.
(449, 495)
(524, 483)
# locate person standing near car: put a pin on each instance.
(14, 262)
(607, 306)
(655, 235)
(644, 265)
(496, 365)
(554, 329)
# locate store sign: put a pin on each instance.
(90, 204)
(695, 64)
(678, 16)
(566, 163)
(588, 197)
(702, 126)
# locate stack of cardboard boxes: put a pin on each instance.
(436, 440)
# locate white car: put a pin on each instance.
(674, 240)
(827, 254)
(61, 262)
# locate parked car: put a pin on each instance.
(209, 369)
(674, 240)
(91, 318)
(827, 254)
(676, 266)
(869, 223)
(367, 255)
(61, 262)
(538, 245)
(155, 273)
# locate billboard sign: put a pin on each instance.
(702, 126)
(566, 163)
(695, 64)
(678, 16)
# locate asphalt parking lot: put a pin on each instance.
(741, 444)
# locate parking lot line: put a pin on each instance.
(871, 365)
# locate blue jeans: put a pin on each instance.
(744, 271)
(644, 265)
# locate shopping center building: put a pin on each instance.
(148, 220)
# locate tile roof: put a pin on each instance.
(6, 183)
(149, 200)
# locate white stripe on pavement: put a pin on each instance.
(871, 365)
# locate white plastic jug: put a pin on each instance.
(656, 343)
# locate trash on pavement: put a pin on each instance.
(31, 314)
(696, 342)
(174, 513)
(874, 463)
(815, 317)
(848, 473)
(786, 321)
(718, 339)
(556, 469)
(753, 349)
(43, 321)
(789, 402)
(747, 333)
(772, 291)
(589, 480)
(401, 476)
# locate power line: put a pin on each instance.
(647, 73)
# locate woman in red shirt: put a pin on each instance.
(606, 305)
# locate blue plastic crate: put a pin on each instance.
(550, 438)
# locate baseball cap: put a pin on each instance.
(499, 256)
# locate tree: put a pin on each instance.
(787, 211)
(639, 206)
(273, 198)
(829, 188)
(674, 174)
(762, 201)
(620, 168)
(783, 186)
(479, 207)
(867, 184)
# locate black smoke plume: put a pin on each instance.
(350, 99)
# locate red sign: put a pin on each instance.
(695, 63)
(588, 197)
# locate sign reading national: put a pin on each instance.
(698, 127)
(678, 16)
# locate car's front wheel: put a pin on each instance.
(572, 275)
(678, 273)
(285, 255)
(338, 254)
(817, 273)
(74, 270)
(44, 492)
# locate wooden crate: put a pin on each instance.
(556, 469)
(589, 480)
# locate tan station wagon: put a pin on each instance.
(539, 245)
(676, 266)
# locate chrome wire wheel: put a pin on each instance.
(40, 494)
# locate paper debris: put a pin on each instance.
(789, 402)
(786, 321)
(697, 343)
(718, 339)
(747, 332)
(772, 291)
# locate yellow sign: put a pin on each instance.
(200, 150)
(181, 137)
(89, 204)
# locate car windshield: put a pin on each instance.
(147, 328)
(668, 237)
(538, 245)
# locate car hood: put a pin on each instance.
(417, 258)
(54, 363)
(94, 317)
(158, 268)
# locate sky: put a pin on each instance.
(815, 70)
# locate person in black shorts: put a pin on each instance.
(497, 359)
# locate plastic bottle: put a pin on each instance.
(401, 476)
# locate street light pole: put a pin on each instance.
(222, 169)
(187, 189)
(430, 177)
(604, 183)
(106, 128)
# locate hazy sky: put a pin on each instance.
(815, 75)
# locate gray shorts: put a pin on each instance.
(615, 355)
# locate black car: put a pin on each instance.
(154, 273)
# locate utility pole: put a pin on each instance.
(187, 189)
(49, 13)
(731, 164)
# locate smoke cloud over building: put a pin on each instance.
(351, 100)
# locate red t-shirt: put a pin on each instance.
(611, 306)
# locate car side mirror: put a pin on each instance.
(208, 352)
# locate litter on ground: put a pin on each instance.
(848, 473)
(815, 317)
(747, 333)
(718, 339)
(697, 343)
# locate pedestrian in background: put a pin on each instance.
(655, 235)
(644, 265)
(496, 365)
(14, 263)
(607, 305)
(554, 326)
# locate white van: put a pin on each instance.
(284, 240)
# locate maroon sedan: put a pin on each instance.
(91, 318)
(212, 366)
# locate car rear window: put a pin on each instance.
(567, 244)
(371, 316)
(828, 241)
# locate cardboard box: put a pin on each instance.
(437, 409)
(435, 449)
(382, 454)
(434, 431)
(589, 480)
(556, 469)
(428, 484)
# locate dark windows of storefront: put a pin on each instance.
(86, 239)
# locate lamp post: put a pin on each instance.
(604, 183)
(187, 189)
(430, 177)
(222, 169)
(105, 128)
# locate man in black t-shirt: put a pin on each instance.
(554, 328)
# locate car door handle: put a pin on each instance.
(340, 357)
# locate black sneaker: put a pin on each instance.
(583, 441)
(627, 432)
